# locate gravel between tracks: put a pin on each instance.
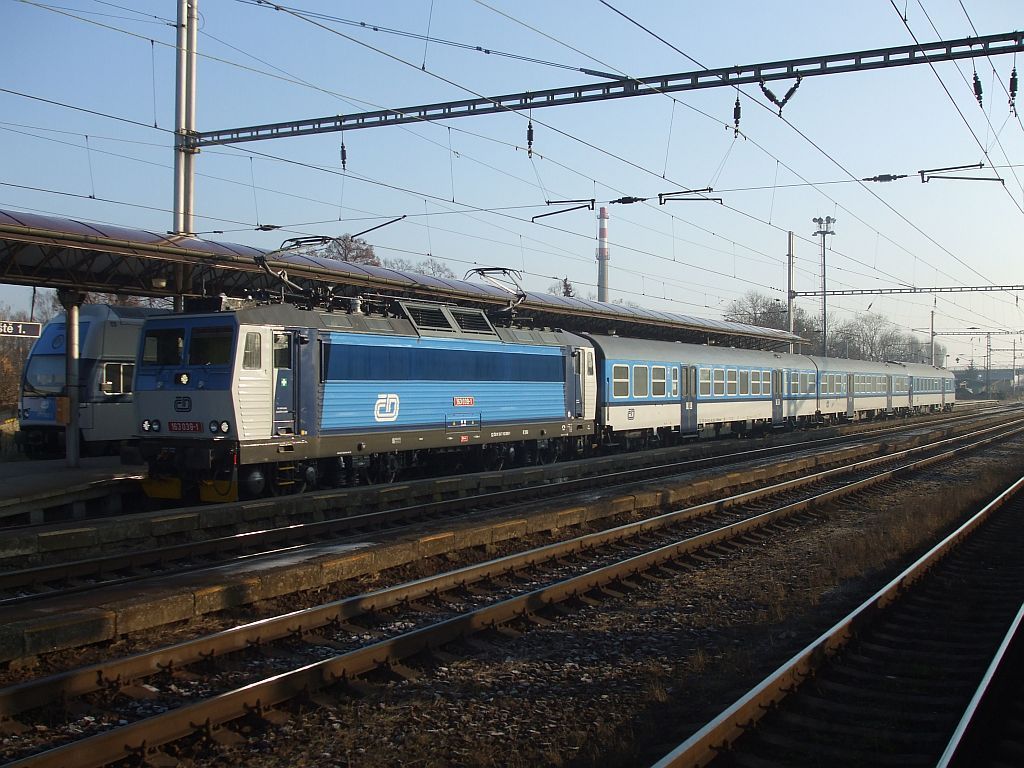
(620, 684)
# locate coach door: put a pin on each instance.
(688, 393)
(777, 395)
(888, 393)
(285, 384)
(850, 380)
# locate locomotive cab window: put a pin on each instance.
(210, 346)
(163, 346)
(252, 356)
(117, 378)
(282, 351)
(620, 381)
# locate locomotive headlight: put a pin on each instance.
(214, 426)
(147, 425)
(155, 425)
(225, 427)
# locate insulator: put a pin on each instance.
(736, 115)
(529, 138)
(977, 88)
(1013, 90)
(344, 157)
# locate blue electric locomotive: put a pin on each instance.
(272, 399)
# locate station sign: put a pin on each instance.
(20, 328)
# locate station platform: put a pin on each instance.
(40, 490)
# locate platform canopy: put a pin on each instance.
(54, 252)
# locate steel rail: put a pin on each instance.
(207, 715)
(284, 538)
(703, 746)
(957, 750)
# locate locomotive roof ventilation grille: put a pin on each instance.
(428, 317)
(472, 321)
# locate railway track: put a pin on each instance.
(338, 502)
(888, 684)
(24, 585)
(197, 689)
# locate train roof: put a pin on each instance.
(622, 348)
(112, 312)
(103, 257)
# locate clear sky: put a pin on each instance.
(468, 186)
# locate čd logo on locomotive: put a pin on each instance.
(386, 408)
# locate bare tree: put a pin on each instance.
(13, 353)
(429, 266)
(562, 288)
(757, 309)
(351, 249)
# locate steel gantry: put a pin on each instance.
(626, 87)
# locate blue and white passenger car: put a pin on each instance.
(655, 389)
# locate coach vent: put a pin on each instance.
(254, 383)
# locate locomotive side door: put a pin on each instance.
(777, 414)
(688, 392)
(285, 383)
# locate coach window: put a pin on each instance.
(675, 382)
(620, 381)
(719, 381)
(658, 381)
(755, 383)
(252, 356)
(640, 385)
(730, 382)
(705, 382)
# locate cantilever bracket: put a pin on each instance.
(588, 203)
(934, 173)
(671, 197)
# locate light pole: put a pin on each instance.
(824, 228)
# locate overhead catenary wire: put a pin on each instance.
(292, 79)
(852, 177)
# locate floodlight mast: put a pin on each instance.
(824, 228)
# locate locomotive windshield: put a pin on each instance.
(45, 375)
(210, 346)
(163, 346)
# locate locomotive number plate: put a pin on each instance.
(184, 426)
